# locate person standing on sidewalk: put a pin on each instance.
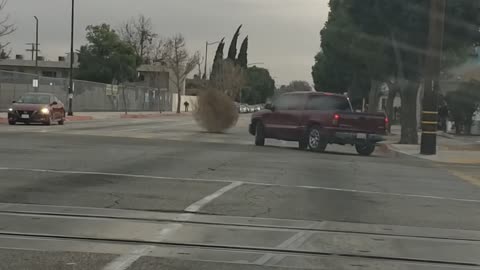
(443, 116)
(186, 104)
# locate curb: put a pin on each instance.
(388, 148)
(78, 118)
(140, 116)
(446, 135)
(157, 115)
(68, 119)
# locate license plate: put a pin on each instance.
(361, 136)
(25, 116)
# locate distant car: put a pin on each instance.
(243, 108)
(42, 108)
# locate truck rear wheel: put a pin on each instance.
(316, 141)
(365, 149)
(259, 134)
(303, 144)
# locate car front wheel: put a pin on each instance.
(11, 123)
(317, 142)
(365, 149)
(259, 134)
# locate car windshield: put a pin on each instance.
(34, 99)
(240, 134)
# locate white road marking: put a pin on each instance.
(405, 195)
(195, 207)
(293, 242)
(123, 262)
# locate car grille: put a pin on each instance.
(25, 112)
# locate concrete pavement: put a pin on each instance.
(161, 194)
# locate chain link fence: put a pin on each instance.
(88, 96)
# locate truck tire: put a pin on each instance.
(303, 144)
(365, 149)
(259, 134)
(316, 141)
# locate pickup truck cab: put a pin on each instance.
(316, 119)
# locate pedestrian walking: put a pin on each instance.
(186, 104)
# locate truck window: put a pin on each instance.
(281, 103)
(328, 103)
(290, 102)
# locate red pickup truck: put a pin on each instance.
(316, 119)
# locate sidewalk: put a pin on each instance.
(451, 149)
(88, 116)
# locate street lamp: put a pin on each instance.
(36, 43)
(36, 53)
(206, 54)
(72, 58)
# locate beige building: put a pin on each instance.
(46, 68)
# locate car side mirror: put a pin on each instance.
(54, 103)
(14, 102)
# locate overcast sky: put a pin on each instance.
(283, 34)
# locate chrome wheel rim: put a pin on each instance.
(314, 138)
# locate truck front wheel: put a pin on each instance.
(365, 149)
(259, 134)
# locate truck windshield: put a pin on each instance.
(328, 103)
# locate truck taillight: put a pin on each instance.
(387, 121)
(336, 118)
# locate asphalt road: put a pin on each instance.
(162, 194)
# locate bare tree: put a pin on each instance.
(180, 62)
(138, 32)
(158, 51)
(6, 29)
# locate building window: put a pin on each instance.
(51, 74)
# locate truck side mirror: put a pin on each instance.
(269, 106)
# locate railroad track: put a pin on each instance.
(249, 241)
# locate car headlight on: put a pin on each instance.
(45, 111)
(10, 109)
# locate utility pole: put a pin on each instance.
(32, 50)
(72, 58)
(432, 77)
(36, 43)
(37, 83)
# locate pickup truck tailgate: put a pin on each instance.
(371, 123)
